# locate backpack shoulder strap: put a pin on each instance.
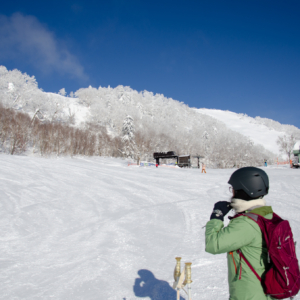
(249, 265)
(256, 217)
(263, 223)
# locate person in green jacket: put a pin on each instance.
(248, 185)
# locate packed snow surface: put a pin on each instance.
(95, 228)
(245, 125)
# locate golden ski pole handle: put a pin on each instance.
(177, 270)
(188, 272)
(188, 278)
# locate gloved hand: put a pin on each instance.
(221, 209)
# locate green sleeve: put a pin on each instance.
(220, 239)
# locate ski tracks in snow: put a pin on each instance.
(83, 228)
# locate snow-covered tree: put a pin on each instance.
(62, 92)
(128, 137)
(16, 88)
(160, 123)
(286, 144)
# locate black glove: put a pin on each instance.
(221, 209)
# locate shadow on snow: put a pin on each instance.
(148, 286)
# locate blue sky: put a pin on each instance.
(242, 56)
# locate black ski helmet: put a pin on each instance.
(253, 181)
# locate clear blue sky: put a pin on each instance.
(242, 56)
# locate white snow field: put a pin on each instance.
(94, 228)
(247, 126)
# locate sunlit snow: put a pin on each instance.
(11, 86)
(245, 125)
(71, 107)
(96, 228)
(297, 146)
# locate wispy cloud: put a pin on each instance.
(25, 37)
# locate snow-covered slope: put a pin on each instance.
(171, 123)
(68, 108)
(74, 229)
(297, 146)
(247, 126)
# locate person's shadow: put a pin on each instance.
(148, 286)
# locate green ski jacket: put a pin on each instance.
(244, 234)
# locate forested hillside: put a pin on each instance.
(113, 122)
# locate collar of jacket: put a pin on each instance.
(240, 205)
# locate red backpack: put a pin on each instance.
(282, 280)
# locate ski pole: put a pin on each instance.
(177, 270)
(182, 278)
(188, 271)
(177, 273)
